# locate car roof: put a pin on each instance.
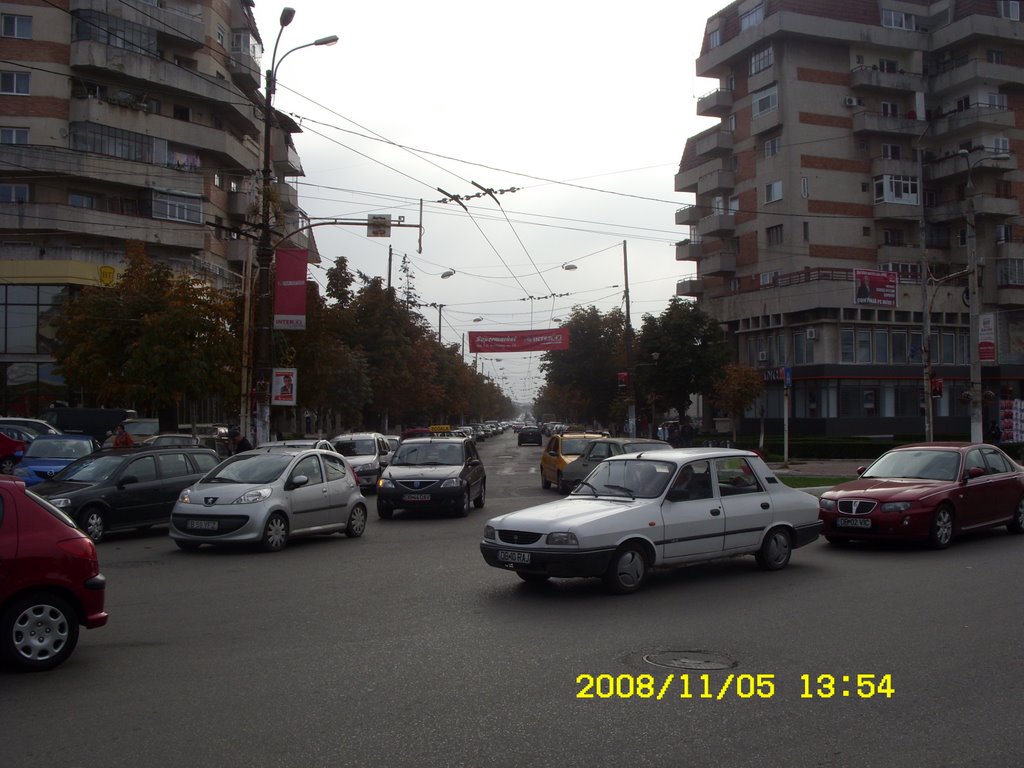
(682, 455)
(140, 448)
(68, 436)
(436, 439)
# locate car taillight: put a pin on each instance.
(80, 546)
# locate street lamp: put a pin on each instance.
(264, 249)
(973, 281)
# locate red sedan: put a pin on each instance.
(927, 492)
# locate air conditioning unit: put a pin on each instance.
(849, 101)
(812, 334)
(762, 357)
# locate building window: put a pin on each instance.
(897, 19)
(177, 208)
(17, 26)
(773, 235)
(714, 38)
(768, 278)
(888, 65)
(896, 189)
(998, 101)
(807, 231)
(890, 109)
(771, 147)
(964, 102)
(734, 204)
(218, 180)
(961, 237)
(221, 35)
(1011, 271)
(863, 345)
(730, 123)
(894, 237)
(1004, 233)
(994, 56)
(766, 101)
(846, 345)
(97, 27)
(81, 200)
(761, 60)
(14, 83)
(881, 346)
(899, 347)
(1009, 9)
(13, 193)
(218, 227)
(773, 191)
(1001, 144)
(891, 151)
(13, 135)
(752, 18)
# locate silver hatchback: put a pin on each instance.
(269, 495)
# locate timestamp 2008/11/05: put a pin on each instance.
(739, 686)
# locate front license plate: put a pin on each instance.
(850, 522)
(202, 525)
(513, 557)
(416, 497)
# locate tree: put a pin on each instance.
(739, 387)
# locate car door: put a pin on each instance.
(176, 474)
(8, 537)
(746, 505)
(341, 487)
(475, 472)
(1005, 487)
(309, 502)
(991, 497)
(136, 502)
(694, 527)
(549, 461)
(594, 454)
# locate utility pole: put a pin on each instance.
(631, 408)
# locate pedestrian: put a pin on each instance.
(686, 434)
(239, 443)
(121, 438)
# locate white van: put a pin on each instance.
(368, 453)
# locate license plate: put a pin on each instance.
(416, 497)
(202, 525)
(513, 557)
(850, 522)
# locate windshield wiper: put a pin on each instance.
(220, 480)
(622, 488)
(584, 482)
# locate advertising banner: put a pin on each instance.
(987, 337)
(290, 290)
(283, 386)
(519, 341)
(873, 286)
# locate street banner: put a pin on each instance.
(519, 341)
(987, 338)
(290, 290)
(873, 286)
(283, 386)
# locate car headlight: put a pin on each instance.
(183, 497)
(364, 468)
(251, 497)
(451, 482)
(489, 533)
(386, 482)
(563, 539)
(21, 472)
(895, 506)
(828, 504)
(61, 502)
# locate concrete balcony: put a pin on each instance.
(689, 250)
(245, 70)
(873, 122)
(886, 166)
(898, 254)
(956, 165)
(58, 161)
(717, 264)
(49, 217)
(284, 156)
(287, 196)
(687, 180)
(996, 207)
(693, 288)
(715, 145)
(170, 20)
(238, 250)
(716, 225)
(900, 211)
(766, 122)
(720, 181)
(975, 119)
(689, 215)
(972, 72)
(240, 204)
(718, 103)
(874, 79)
(1010, 296)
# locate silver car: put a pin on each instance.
(268, 495)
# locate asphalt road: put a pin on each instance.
(403, 648)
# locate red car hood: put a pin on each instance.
(888, 488)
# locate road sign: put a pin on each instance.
(378, 225)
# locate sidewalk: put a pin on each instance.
(820, 467)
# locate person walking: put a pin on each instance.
(239, 443)
(121, 438)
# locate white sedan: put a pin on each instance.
(638, 512)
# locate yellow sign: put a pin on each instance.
(440, 427)
(107, 275)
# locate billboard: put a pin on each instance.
(283, 386)
(290, 290)
(519, 341)
(873, 286)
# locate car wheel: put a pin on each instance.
(39, 631)
(942, 528)
(775, 550)
(94, 523)
(384, 510)
(188, 546)
(533, 578)
(466, 505)
(7, 465)
(478, 502)
(837, 541)
(627, 571)
(544, 482)
(1017, 524)
(356, 522)
(275, 533)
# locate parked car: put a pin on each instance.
(433, 473)
(560, 451)
(49, 454)
(38, 426)
(96, 422)
(171, 439)
(393, 441)
(138, 429)
(598, 450)
(367, 452)
(301, 442)
(529, 436)
(123, 488)
(268, 496)
(50, 581)
(11, 451)
(637, 512)
(928, 492)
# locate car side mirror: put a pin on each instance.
(860, 471)
(298, 481)
(127, 480)
(973, 473)
(677, 494)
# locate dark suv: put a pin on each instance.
(119, 488)
(531, 436)
(433, 473)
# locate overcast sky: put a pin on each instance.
(583, 107)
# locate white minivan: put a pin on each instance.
(369, 454)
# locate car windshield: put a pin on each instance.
(634, 478)
(924, 464)
(250, 468)
(141, 428)
(422, 454)
(58, 449)
(91, 469)
(574, 446)
(358, 447)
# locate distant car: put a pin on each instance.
(168, 439)
(50, 581)
(393, 441)
(38, 426)
(137, 429)
(560, 451)
(433, 473)
(49, 454)
(11, 451)
(928, 492)
(529, 436)
(635, 513)
(598, 450)
(367, 452)
(302, 442)
(124, 488)
(268, 496)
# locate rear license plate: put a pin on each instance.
(850, 522)
(202, 525)
(416, 497)
(513, 557)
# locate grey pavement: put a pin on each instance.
(823, 467)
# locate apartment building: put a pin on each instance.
(134, 124)
(832, 225)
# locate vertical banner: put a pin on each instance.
(283, 385)
(290, 290)
(987, 338)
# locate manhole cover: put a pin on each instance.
(690, 660)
